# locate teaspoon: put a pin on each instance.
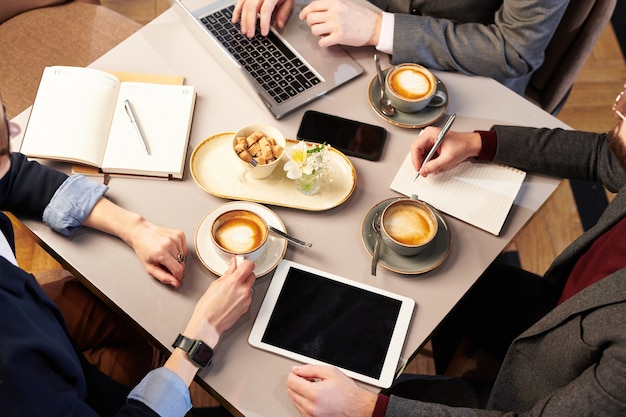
(385, 105)
(376, 227)
(289, 237)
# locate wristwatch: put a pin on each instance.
(199, 352)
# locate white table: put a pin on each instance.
(248, 381)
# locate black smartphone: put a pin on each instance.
(353, 138)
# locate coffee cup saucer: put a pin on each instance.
(423, 118)
(210, 257)
(427, 260)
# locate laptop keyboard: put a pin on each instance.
(266, 58)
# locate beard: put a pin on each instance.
(617, 146)
(5, 148)
(5, 142)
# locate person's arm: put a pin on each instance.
(343, 22)
(247, 12)
(157, 247)
(27, 187)
(223, 303)
(46, 376)
(66, 203)
(555, 152)
(455, 148)
(560, 153)
(325, 391)
(385, 38)
(509, 46)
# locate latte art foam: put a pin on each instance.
(239, 235)
(411, 83)
(409, 225)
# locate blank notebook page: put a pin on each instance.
(478, 193)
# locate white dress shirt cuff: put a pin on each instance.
(385, 41)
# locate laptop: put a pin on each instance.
(282, 71)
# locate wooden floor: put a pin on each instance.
(553, 227)
(587, 108)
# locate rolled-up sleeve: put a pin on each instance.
(164, 392)
(71, 204)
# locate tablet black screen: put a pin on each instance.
(333, 322)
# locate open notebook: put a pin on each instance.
(79, 116)
(479, 193)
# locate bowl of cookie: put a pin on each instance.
(259, 148)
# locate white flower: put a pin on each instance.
(306, 159)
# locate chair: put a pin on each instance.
(575, 37)
(39, 33)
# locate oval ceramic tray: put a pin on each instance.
(215, 169)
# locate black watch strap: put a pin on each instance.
(198, 352)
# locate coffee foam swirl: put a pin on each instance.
(411, 84)
(239, 235)
(409, 225)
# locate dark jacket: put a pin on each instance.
(41, 372)
(573, 361)
(500, 39)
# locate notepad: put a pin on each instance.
(478, 193)
(79, 116)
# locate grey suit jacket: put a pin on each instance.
(500, 39)
(571, 363)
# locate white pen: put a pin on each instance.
(133, 120)
(443, 132)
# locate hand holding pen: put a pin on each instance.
(438, 141)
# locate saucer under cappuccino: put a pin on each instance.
(239, 232)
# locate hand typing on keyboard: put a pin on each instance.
(342, 22)
(266, 59)
(336, 22)
(246, 12)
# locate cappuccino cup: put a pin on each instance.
(239, 233)
(408, 226)
(411, 87)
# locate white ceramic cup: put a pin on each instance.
(412, 87)
(408, 226)
(239, 233)
(264, 170)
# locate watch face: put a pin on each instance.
(202, 354)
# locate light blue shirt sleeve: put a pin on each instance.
(164, 392)
(71, 204)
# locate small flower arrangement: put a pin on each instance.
(306, 159)
(307, 164)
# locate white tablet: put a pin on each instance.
(316, 317)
